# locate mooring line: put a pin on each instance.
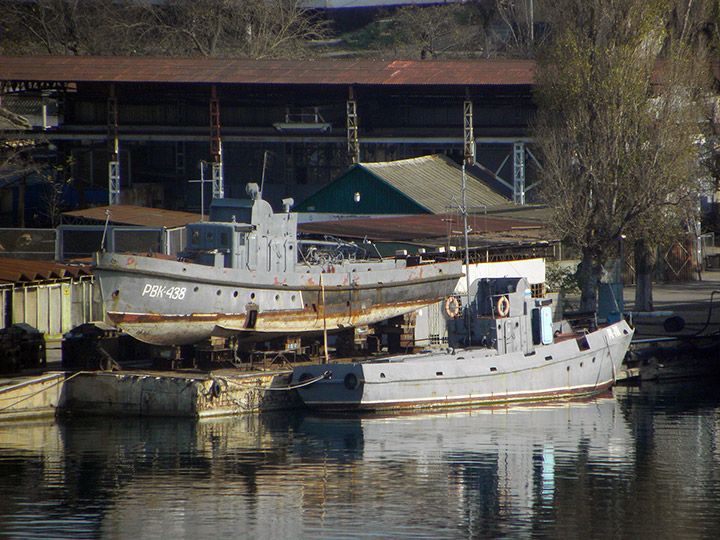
(325, 375)
(43, 390)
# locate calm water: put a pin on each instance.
(637, 464)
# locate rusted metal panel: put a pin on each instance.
(132, 215)
(19, 270)
(408, 228)
(266, 71)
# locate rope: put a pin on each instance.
(325, 375)
(707, 321)
(44, 390)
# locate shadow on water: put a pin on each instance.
(642, 463)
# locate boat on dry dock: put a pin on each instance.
(252, 278)
(504, 347)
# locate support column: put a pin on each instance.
(113, 150)
(353, 143)
(519, 173)
(468, 135)
(218, 182)
(179, 160)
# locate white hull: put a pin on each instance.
(471, 376)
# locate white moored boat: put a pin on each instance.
(504, 348)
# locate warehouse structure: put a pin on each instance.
(158, 131)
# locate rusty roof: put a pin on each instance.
(427, 226)
(126, 214)
(20, 270)
(73, 69)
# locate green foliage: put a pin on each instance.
(561, 278)
(617, 127)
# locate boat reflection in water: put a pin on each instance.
(488, 469)
(637, 465)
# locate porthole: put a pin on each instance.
(277, 297)
(235, 294)
(219, 292)
(351, 381)
(196, 289)
(252, 296)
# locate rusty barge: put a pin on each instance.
(253, 279)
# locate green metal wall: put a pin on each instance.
(376, 197)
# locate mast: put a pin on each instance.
(467, 255)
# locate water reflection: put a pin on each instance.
(641, 464)
(488, 470)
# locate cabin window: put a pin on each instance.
(224, 240)
(195, 238)
(209, 236)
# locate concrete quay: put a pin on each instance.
(661, 351)
(693, 301)
(144, 393)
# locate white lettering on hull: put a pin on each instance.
(160, 291)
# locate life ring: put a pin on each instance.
(452, 307)
(502, 307)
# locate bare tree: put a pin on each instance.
(74, 26)
(431, 31)
(518, 17)
(254, 28)
(486, 13)
(618, 150)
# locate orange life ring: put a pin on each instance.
(452, 307)
(502, 306)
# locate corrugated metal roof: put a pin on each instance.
(425, 226)
(20, 270)
(132, 215)
(433, 181)
(266, 71)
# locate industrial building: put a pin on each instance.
(147, 131)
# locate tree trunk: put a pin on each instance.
(588, 272)
(643, 277)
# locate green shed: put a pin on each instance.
(423, 185)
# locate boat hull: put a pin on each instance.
(566, 368)
(167, 302)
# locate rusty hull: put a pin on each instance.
(166, 302)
